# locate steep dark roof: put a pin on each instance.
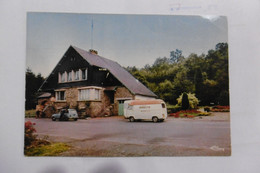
(119, 72)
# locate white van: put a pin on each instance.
(154, 110)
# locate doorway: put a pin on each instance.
(120, 107)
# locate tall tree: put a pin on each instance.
(185, 102)
(198, 81)
(33, 83)
(175, 55)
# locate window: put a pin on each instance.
(97, 94)
(60, 95)
(76, 75)
(63, 77)
(73, 75)
(70, 76)
(130, 107)
(84, 94)
(163, 105)
(84, 74)
(89, 94)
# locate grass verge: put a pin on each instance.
(53, 149)
(30, 113)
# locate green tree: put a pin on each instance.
(193, 100)
(217, 70)
(32, 85)
(199, 86)
(185, 102)
(204, 75)
(175, 56)
(160, 61)
(141, 77)
(165, 91)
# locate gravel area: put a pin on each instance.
(116, 136)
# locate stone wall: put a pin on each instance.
(95, 108)
(90, 108)
(47, 105)
(72, 97)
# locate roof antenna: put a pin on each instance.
(92, 50)
(92, 34)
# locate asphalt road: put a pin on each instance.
(115, 136)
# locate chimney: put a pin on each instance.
(92, 51)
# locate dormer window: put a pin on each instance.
(76, 75)
(70, 76)
(84, 74)
(63, 77)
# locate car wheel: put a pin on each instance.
(53, 119)
(131, 119)
(155, 119)
(75, 119)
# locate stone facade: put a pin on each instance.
(92, 108)
(72, 97)
(45, 107)
(121, 92)
(95, 108)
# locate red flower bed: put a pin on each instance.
(220, 109)
(223, 107)
(190, 116)
(187, 113)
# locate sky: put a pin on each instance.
(131, 40)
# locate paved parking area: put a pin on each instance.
(116, 136)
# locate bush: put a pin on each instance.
(29, 137)
(193, 100)
(185, 102)
(173, 108)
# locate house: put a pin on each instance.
(93, 85)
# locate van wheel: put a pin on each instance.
(75, 119)
(53, 119)
(131, 119)
(155, 119)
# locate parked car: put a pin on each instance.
(65, 114)
(154, 110)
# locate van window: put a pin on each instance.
(163, 105)
(130, 107)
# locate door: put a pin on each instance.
(121, 107)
